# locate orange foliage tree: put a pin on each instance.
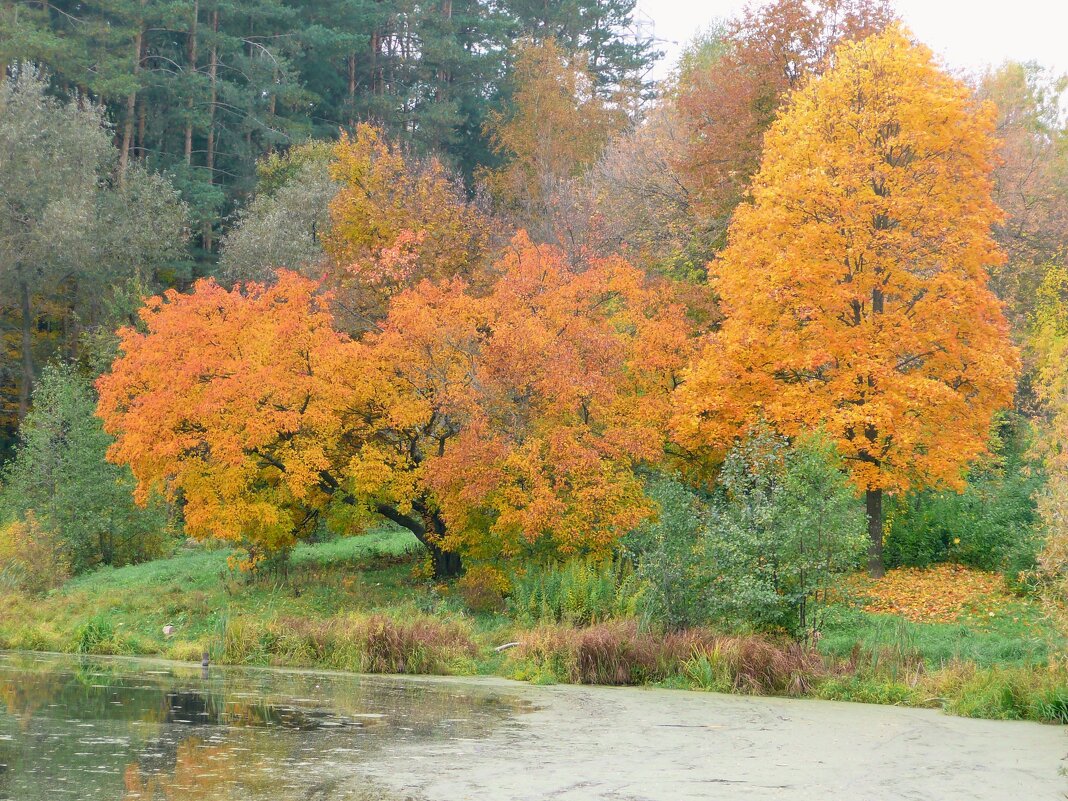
(238, 401)
(855, 284)
(525, 410)
(488, 423)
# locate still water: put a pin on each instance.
(100, 729)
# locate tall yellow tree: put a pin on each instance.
(855, 283)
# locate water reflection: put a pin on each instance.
(133, 730)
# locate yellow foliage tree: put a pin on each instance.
(555, 128)
(855, 283)
(1049, 345)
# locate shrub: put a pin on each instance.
(619, 652)
(754, 665)
(616, 652)
(97, 635)
(483, 587)
(31, 557)
(765, 550)
(993, 524)
(60, 474)
(579, 592)
(1005, 693)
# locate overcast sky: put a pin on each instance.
(968, 34)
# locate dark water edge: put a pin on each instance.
(126, 729)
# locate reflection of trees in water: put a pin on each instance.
(231, 770)
(199, 771)
(239, 734)
(22, 697)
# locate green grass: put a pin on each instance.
(356, 604)
(1019, 639)
(197, 593)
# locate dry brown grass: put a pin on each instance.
(620, 653)
(373, 643)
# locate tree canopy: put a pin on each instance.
(855, 285)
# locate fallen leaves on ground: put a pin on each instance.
(939, 594)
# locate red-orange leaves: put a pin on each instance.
(238, 401)
(488, 422)
(529, 406)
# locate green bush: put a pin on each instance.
(60, 476)
(764, 551)
(1009, 694)
(579, 592)
(667, 551)
(992, 524)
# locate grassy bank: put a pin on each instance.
(353, 604)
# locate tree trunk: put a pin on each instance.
(131, 100)
(213, 72)
(26, 389)
(375, 77)
(142, 115)
(873, 500)
(447, 564)
(352, 90)
(193, 67)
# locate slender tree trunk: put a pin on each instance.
(376, 82)
(193, 67)
(352, 90)
(26, 388)
(142, 114)
(213, 72)
(873, 501)
(272, 107)
(131, 99)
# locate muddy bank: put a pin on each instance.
(592, 743)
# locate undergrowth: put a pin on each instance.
(354, 605)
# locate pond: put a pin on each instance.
(103, 729)
(114, 729)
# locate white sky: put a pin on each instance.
(967, 34)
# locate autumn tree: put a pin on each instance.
(647, 205)
(554, 127)
(855, 284)
(487, 423)
(1049, 346)
(284, 225)
(73, 236)
(52, 152)
(527, 409)
(1031, 181)
(396, 219)
(732, 83)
